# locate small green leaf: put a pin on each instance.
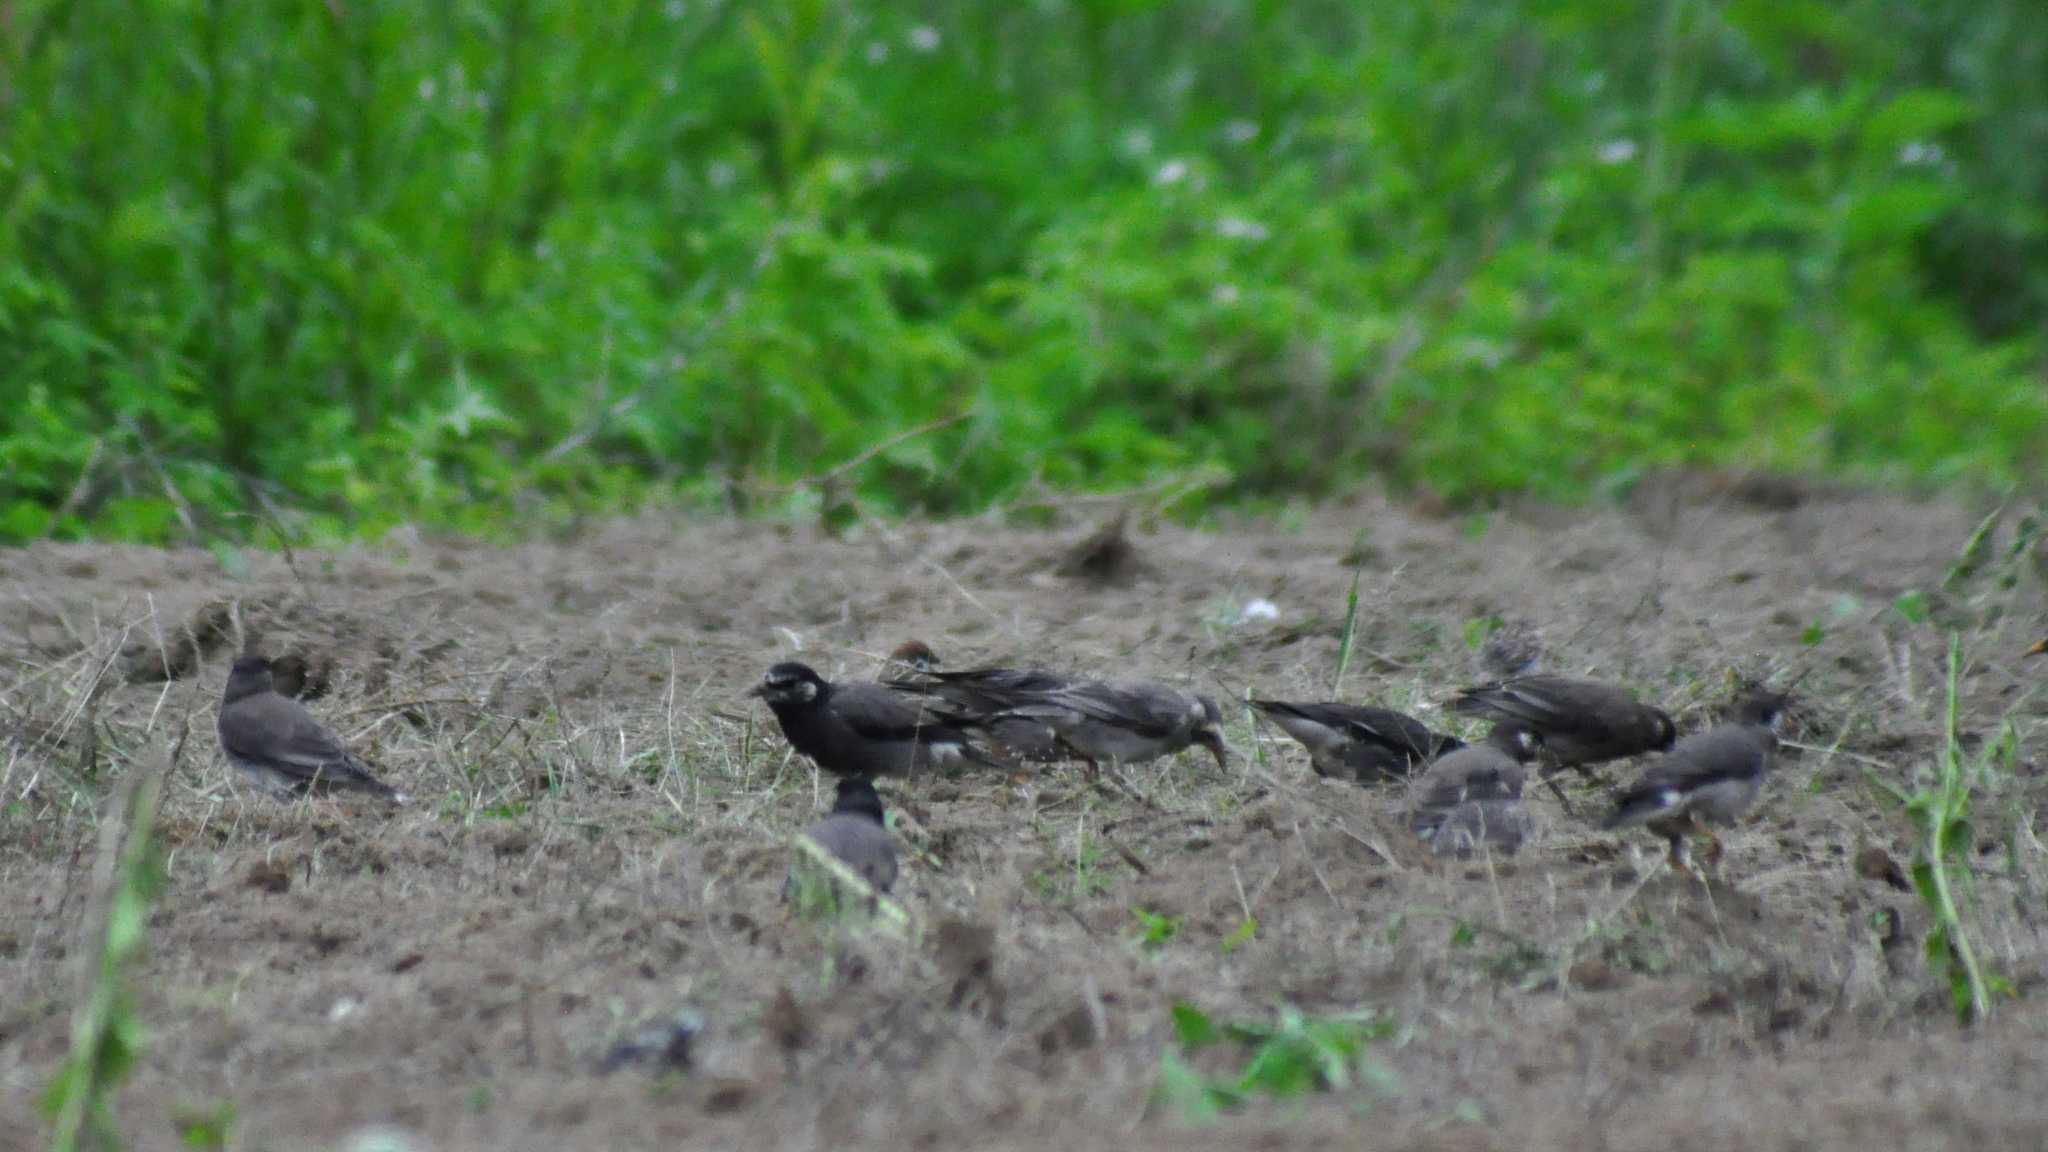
(1193, 1026)
(1813, 634)
(1912, 605)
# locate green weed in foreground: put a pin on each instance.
(1940, 812)
(1294, 1054)
(106, 1037)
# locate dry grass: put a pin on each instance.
(599, 823)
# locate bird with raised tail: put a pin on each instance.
(278, 747)
(1709, 778)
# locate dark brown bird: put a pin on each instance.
(855, 832)
(1580, 722)
(1473, 795)
(277, 746)
(1357, 742)
(860, 728)
(912, 657)
(1708, 778)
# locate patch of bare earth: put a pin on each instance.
(597, 840)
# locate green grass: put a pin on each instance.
(302, 272)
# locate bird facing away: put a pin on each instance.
(1708, 778)
(980, 695)
(855, 833)
(1580, 722)
(277, 746)
(859, 728)
(1473, 795)
(1357, 742)
(1123, 721)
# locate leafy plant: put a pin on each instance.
(106, 1037)
(1154, 930)
(1940, 812)
(1293, 1054)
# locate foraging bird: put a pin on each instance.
(1580, 722)
(981, 695)
(1513, 649)
(278, 747)
(1357, 742)
(912, 656)
(1473, 795)
(1125, 721)
(1708, 778)
(858, 728)
(855, 833)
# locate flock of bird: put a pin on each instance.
(1462, 797)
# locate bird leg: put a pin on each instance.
(1550, 781)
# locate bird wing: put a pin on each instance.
(1151, 710)
(1549, 703)
(1728, 752)
(1383, 726)
(879, 712)
(280, 733)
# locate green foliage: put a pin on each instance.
(1940, 812)
(1294, 1054)
(106, 1037)
(1154, 929)
(318, 269)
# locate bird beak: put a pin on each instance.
(2040, 646)
(1211, 739)
(758, 690)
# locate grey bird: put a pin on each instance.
(855, 833)
(1123, 721)
(982, 696)
(279, 748)
(1473, 795)
(1708, 778)
(1357, 742)
(859, 728)
(1580, 722)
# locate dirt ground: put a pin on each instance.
(597, 839)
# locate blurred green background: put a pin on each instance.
(479, 264)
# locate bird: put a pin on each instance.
(912, 656)
(855, 833)
(278, 746)
(1512, 649)
(1708, 778)
(861, 728)
(1123, 721)
(1472, 795)
(981, 695)
(1580, 722)
(1357, 742)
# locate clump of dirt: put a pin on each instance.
(598, 839)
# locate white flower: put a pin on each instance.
(1258, 609)
(1223, 295)
(878, 52)
(1618, 151)
(924, 38)
(1239, 228)
(1171, 172)
(1920, 153)
(1136, 143)
(1241, 131)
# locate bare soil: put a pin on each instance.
(597, 839)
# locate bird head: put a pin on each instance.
(857, 796)
(790, 684)
(915, 655)
(1209, 732)
(1761, 707)
(249, 676)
